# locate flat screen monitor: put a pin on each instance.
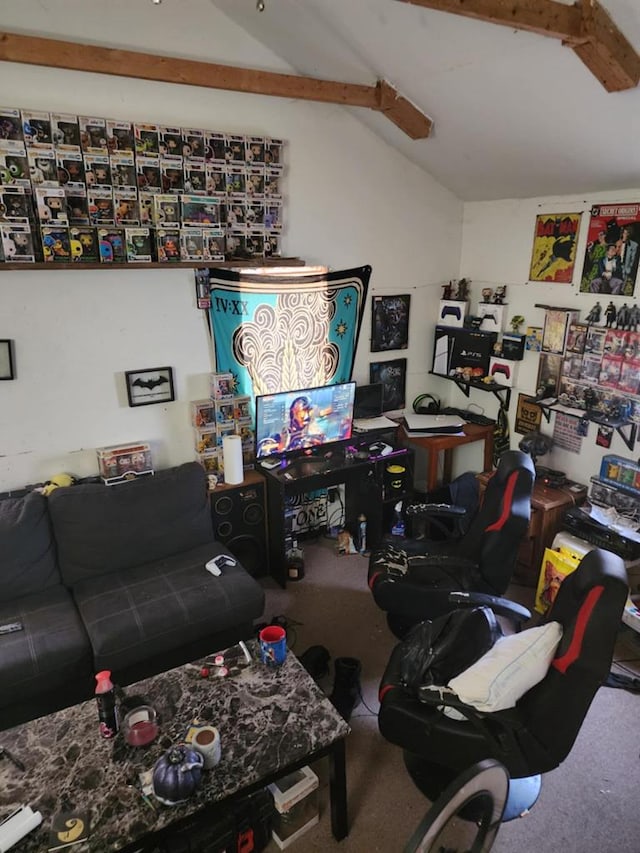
(291, 421)
(368, 400)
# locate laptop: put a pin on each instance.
(367, 408)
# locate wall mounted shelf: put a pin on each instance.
(189, 265)
(617, 424)
(501, 392)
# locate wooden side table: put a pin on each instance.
(447, 444)
(548, 507)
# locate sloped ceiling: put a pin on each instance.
(516, 115)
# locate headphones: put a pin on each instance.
(422, 407)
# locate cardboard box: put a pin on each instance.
(492, 316)
(503, 371)
(452, 313)
(473, 350)
(513, 347)
(296, 803)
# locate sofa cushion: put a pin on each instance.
(53, 649)
(100, 529)
(135, 614)
(27, 552)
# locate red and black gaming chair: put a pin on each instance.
(413, 580)
(538, 733)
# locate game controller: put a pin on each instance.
(379, 448)
(501, 368)
(452, 310)
(216, 564)
(490, 316)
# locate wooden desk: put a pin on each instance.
(448, 443)
(548, 507)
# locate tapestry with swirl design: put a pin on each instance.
(288, 328)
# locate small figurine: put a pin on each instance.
(610, 315)
(594, 315)
(634, 318)
(447, 290)
(624, 313)
(487, 293)
(590, 398)
(516, 322)
(463, 290)
(500, 294)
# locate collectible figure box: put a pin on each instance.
(254, 149)
(472, 351)
(195, 178)
(513, 347)
(206, 439)
(123, 171)
(273, 216)
(213, 240)
(51, 204)
(43, 167)
(296, 804)
(272, 186)
(55, 244)
(14, 204)
(166, 211)
(121, 462)
(242, 409)
(235, 148)
(212, 463)
(139, 247)
(146, 139)
(235, 181)
(225, 412)
(191, 244)
(492, 317)
(254, 181)
(120, 136)
(272, 248)
(97, 170)
(171, 175)
(93, 135)
(36, 127)
(71, 169)
(11, 121)
(111, 245)
(148, 174)
(203, 413)
(273, 151)
(100, 202)
(620, 472)
(193, 144)
(77, 205)
(201, 210)
(65, 132)
(14, 165)
(168, 245)
(126, 209)
(221, 386)
(17, 243)
(216, 179)
(170, 142)
(83, 243)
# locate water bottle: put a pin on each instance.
(106, 700)
(362, 533)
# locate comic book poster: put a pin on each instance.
(392, 375)
(611, 254)
(554, 247)
(389, 322)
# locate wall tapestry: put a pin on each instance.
(554, 247)
(611, 256)
(288, 328)
(389, 322)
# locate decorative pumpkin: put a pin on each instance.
(177, 774)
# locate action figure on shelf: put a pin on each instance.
(634, 318)
(622, 320)
(447, 289)
(594, 315)
(610, 315)
(516, 322)
(487, 293)
(500, 294)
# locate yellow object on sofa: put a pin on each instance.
(556, 565)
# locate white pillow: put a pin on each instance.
(511, 667)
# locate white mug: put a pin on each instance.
(206, 741)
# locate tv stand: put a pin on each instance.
(364, 481)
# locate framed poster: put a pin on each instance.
(7, 370)
(393, 376)
(151, 385)
(611, 255)
(528, 415)
(389, 322)
(554, 247)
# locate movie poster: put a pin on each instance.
(611, 255)
(392, 375)
(389, 322)
(554, 247)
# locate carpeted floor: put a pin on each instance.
(587, 805)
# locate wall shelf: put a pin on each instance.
(188, 265)
(501, 392)
(618, 424)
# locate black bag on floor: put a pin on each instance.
(435, 651)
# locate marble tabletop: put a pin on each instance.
(267, 718)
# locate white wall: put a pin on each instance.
(497, 244)
(350, 200)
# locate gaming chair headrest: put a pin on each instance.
(426, 404)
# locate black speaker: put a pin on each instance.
(239, 522)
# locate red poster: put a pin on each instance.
(611, 256)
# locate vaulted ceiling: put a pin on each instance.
(515, 113)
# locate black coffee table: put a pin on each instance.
(271, 722)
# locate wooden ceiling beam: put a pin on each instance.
(585, 27)
(53, 53)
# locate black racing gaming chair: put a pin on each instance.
(412, 580)
(538, 733)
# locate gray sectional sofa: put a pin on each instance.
(112, 577)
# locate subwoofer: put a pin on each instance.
(239, 522)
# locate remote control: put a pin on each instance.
(216, 564)
(11, 627)
(270, 463)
